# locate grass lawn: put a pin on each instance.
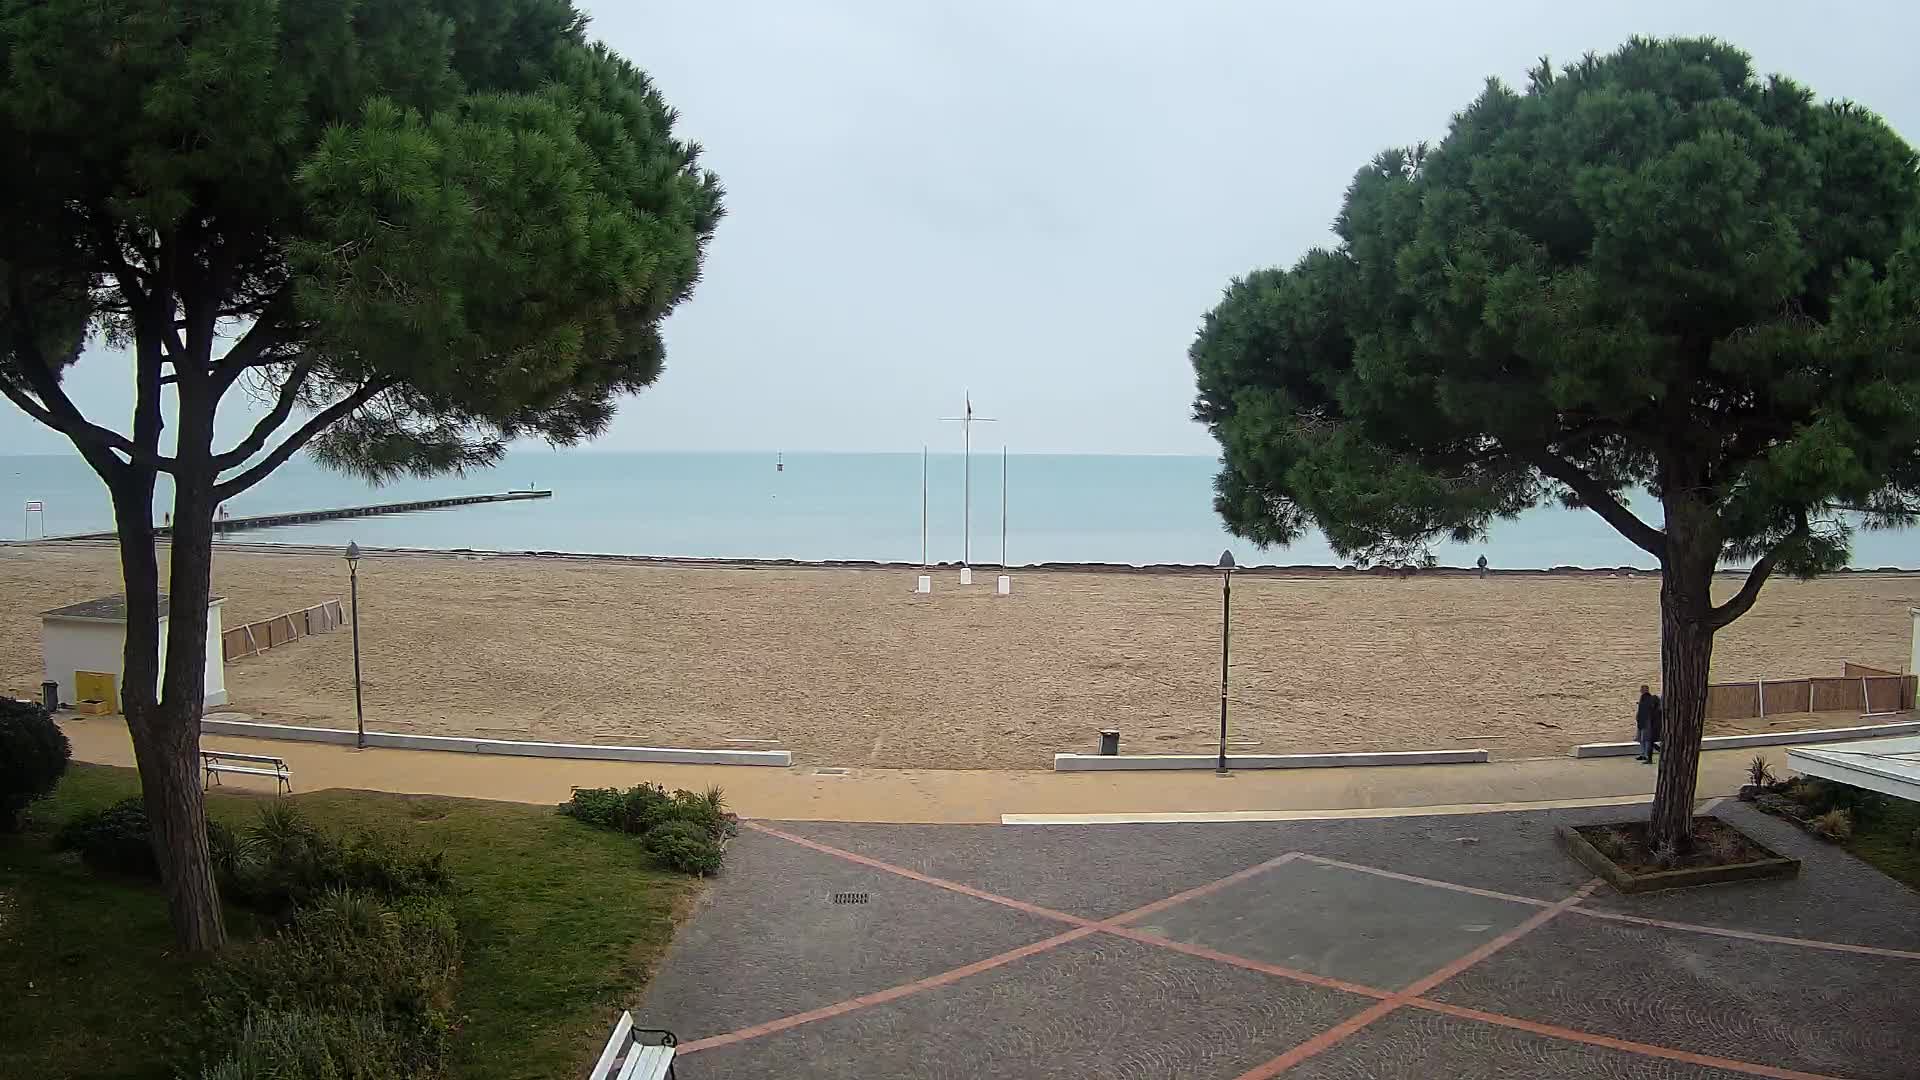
(1888, 843)
(560, 924)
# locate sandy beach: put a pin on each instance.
(848, 667)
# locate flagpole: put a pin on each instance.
(1003, 506)
(923, 507)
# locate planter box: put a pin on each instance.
(1773, 865)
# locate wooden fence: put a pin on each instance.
(257, 637)
(1860, 689)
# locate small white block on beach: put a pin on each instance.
(1003, 585)
(966, 575)
(923, 583)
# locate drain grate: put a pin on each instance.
(849, 898)
(829, 772)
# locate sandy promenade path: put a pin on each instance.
(847, 667)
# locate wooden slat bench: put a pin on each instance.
(628, 1058)
(215, 762)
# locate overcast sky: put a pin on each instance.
(1037, 201)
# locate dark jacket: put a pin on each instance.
(1648, 718)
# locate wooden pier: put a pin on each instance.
(305, 517)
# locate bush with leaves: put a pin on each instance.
(1835, 825)
(682, 831)
(33, 757)
(683, 846)
(369, 981)
(114, 839)
(277, 865)
(283, 862)
(281, 1044)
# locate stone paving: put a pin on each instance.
(1394, 947)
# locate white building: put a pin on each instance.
(92, 637)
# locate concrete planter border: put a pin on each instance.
(1139, 762)
(246, 729)
(1771, 738)
(1775, 865)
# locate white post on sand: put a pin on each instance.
(1003, 585)
(966, 450)
(924, 584)
(1913, 668)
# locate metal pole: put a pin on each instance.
(923, 507)
(1226, 628)
(1003, 506)
(359, 715)
(966, 513)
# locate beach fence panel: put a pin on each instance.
(1887, 693)
(1733, 701)
(1786, 696)
(1836, 695)
(255, 638)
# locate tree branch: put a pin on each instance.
(58, 412)
(1601, 501)
(320, 422)
(270, 423)
(1742, 601)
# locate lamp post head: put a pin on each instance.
(1225, 564)
(353, 553)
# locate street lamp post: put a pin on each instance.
(353, 585)
(1226, 628)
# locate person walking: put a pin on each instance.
(1646, 724)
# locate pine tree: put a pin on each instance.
(1652, 271)
(422, 227)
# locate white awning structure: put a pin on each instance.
(1889, 766)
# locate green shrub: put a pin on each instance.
(275, 1044)
(1760, 771)
(686, 846)
(279, 864)
(681, 831)
(351, 965)
(283, 862)
(1835, 825)
(114, 839)
(33, 757)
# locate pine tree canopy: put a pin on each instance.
(435, 225)
(1650, 270)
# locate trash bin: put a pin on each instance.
(50, 695)
(1109, 742)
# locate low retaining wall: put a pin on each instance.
(388, 740)
(1134, 762)
(1771, 738)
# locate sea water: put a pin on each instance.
(1131, 509)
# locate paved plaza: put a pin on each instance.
(1390, 947)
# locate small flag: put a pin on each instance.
(34, 507)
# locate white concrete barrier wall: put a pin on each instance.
(1770, 738)
(1135, 762)
(393, 741)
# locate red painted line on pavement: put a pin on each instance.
(1249, 963)
(925, 879)
(1201, 890)
(1592, 913)
(1554, 1031)
(1083, 928)
(881, 997)
(1431, 882)
(1338, 1033)
(1386, 1001)
(1749, 935)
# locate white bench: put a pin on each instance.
(627, 1058)
(216, 762)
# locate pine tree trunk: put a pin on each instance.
(1686, 658)
(166, 735)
